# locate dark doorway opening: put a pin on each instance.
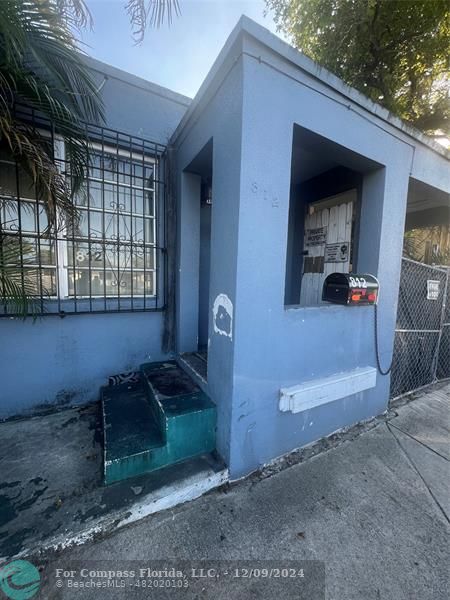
(202, 166)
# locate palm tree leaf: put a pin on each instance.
(17, 285)
(144, 13)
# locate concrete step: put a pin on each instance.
(186, 415)
(132, 437)
(160, 420)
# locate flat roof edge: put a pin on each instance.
(246, 26)
(134, 80)
(312, 68)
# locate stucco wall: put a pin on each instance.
(249, 105)
(136, 106)
(276, 347)
(66, 360)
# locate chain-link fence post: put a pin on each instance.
(436, 359)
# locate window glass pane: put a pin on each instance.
(8, 179)
(47, 277)
(33, 217)
(33, 282)
(95, 166)
(79, 283)
(28, 217)
(10, 219)
(143, 202)
(111, 282)
(111, 256)
(143, 231)
(143, 258)
(139, 279)
(89, 225)
(83, 254)
(90, 194)
(31, 248)
(110, 194)
(117, 168)
(125, 229)
(26, 187)
(112, 226)
(124, 171)
(143, 175)
(117, 199)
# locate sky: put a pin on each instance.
(177, 57)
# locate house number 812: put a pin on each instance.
(358, 282)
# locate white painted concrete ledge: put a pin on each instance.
(168, 496)
(326, 389)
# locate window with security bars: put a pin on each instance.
(25, 219)
(107, 258)
(112, 246)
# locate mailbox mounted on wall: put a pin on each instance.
(350, 289)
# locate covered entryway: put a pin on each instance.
(198, 182)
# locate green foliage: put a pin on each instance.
(396, 52)
(143, 13)
(419, 244)
(41, 68)
(17, 285)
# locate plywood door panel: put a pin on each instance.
(337, 218)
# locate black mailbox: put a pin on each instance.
(350, 288)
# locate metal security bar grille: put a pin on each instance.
(422, 336)
(111, 258)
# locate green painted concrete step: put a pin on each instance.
(185, 414)
(130, 430)
(162, 419)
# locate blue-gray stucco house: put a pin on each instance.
(275, 175)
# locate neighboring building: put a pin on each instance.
(430, 245)
(212, 224)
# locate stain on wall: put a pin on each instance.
(223, 316)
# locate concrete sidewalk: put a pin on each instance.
(375, 510)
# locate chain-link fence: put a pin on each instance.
(422, 336)
(443, 361)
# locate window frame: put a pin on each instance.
(61, 296)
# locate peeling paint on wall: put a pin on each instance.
(223, 316)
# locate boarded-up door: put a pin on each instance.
(327, 243)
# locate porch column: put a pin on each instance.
(383, 212)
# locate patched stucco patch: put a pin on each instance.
(223, 316)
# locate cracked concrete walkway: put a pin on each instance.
(375, 509)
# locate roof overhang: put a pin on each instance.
(232, 51)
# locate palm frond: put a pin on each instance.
(43, 69)
(27, 145)
(153, 13)
(17, 285)
(76, 13)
